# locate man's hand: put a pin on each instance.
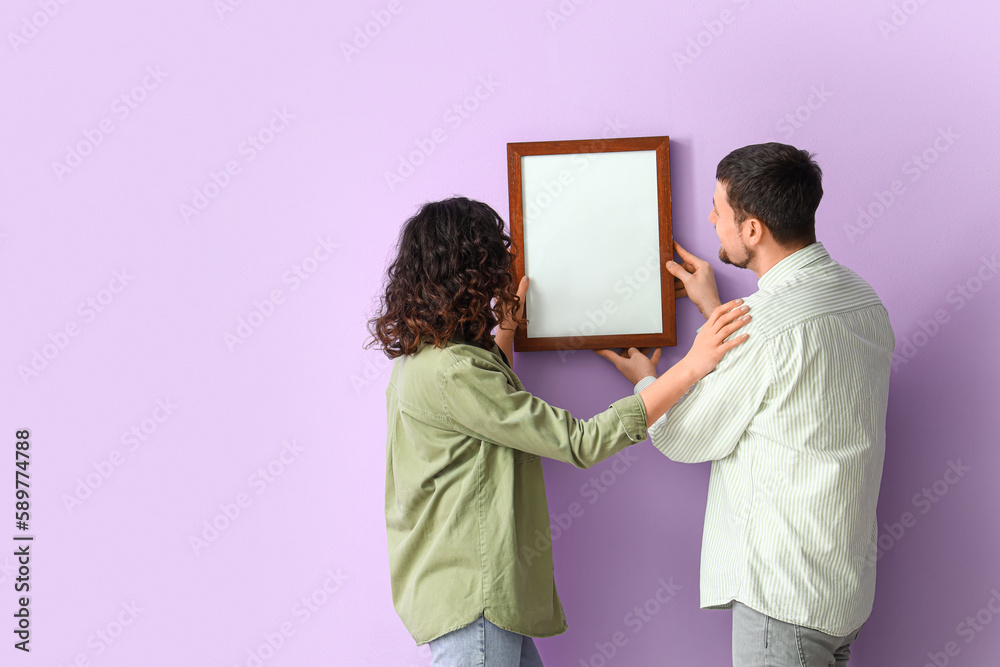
(633, 364)
(504, 335)
(695, 279)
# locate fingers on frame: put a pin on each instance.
(611, 356)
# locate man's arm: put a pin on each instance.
(708, 422)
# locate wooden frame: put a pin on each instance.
(597, 235)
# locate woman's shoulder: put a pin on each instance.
(431, 370)
(458, 352)
(433, 360)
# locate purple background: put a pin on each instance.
(885, 82)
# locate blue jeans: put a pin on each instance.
(760, 641)
(482, 644)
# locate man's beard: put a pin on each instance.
(748, 257)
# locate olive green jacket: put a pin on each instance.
(465, 494)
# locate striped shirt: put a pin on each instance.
(793, 421)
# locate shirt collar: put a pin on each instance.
(784, 269)
(499, 351)
(455, 340)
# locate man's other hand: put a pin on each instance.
(632, 363)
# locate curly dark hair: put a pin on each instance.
(451, 279)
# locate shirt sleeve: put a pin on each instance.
(645, 382)
(480, 401)
(708, 421)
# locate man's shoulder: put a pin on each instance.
(819, 291)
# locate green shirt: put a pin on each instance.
(464, 491)
(794, 423)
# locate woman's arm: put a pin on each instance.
(505, 332)
(479, 399)
(706, 352)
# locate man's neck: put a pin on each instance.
(766, 258)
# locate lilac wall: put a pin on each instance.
(197, 217)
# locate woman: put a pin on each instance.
(464, 492)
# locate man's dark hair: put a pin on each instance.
(778, 184)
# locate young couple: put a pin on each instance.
(793, 419)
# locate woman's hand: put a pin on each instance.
(504, 336)
(710, 345)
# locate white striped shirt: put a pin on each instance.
(793, 421)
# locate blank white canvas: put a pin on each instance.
(591, 235)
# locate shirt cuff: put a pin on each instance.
(643, 383)
(632, 413)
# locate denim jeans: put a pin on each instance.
(760, 640)
(482, 644)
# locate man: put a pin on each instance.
(793, 421)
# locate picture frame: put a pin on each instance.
(591, 221)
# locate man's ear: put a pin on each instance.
(753, 232)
